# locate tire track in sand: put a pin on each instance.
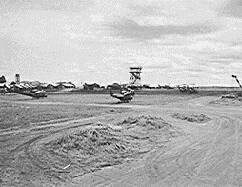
(177, 161)
(168, 167)
(27, 147)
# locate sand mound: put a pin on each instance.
(95, 147)
(93, 140)
(233, 101)
(153, 129)
(198, 118)
(230, 96)
(99, 146)
(149, 122)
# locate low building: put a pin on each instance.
(49, 86)
(30, 84)
(2, 87)
(2, 79)
(93, 86)
(63, 85)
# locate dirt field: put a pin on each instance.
(90, 140)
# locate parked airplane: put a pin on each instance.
(124, 96)
(34, 93)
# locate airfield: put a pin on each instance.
(91, 140)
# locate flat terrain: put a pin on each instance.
(91, 140)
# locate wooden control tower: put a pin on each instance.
(135, 75)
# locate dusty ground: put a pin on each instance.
(88, 140)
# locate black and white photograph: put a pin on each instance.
(121, 93)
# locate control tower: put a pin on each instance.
(135, 75)
(17, 78)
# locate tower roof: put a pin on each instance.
(135, 69)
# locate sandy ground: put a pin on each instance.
(153, 141)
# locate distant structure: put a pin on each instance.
(17, 78)
(63, 85)
(237, 80)
(135, 75)
(2, 79)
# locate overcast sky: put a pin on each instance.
(176, 41)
